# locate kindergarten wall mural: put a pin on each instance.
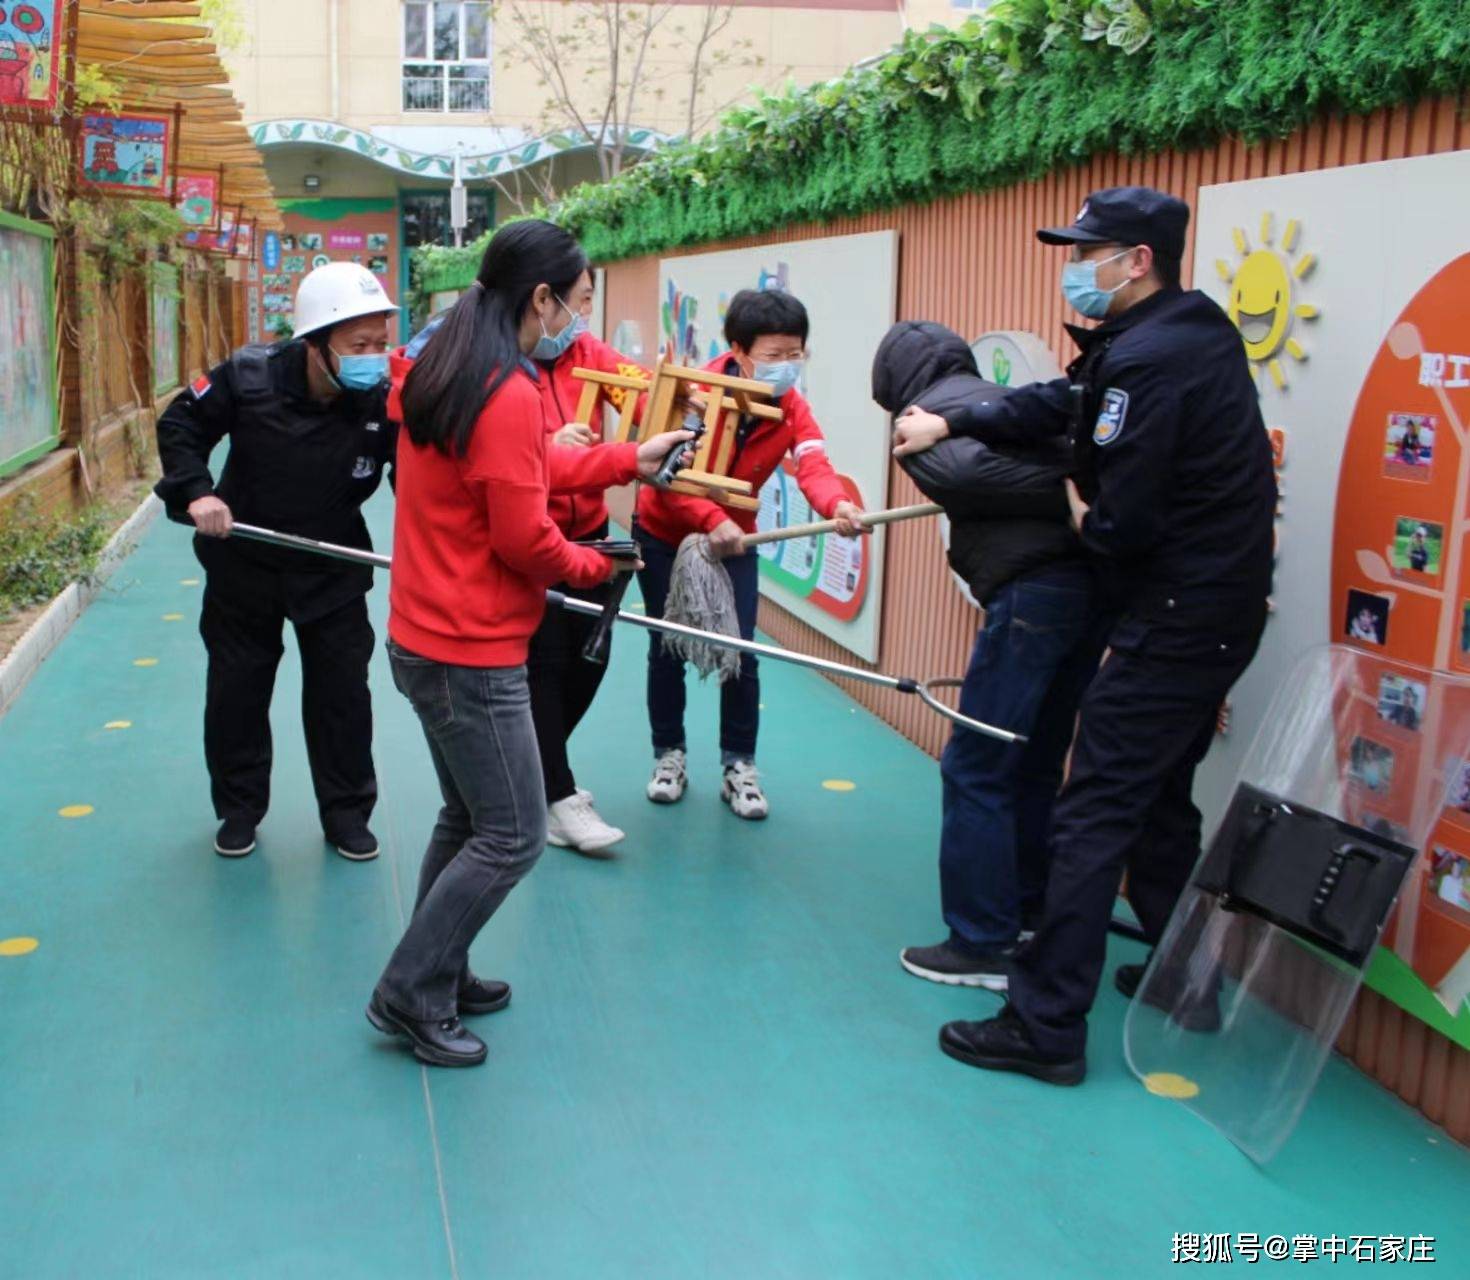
(28, 411)
(848, 285)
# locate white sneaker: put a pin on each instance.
(669, 778)
(574, 824)
(742, 791)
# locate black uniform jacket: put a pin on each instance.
(295, 465)
(1170, 449)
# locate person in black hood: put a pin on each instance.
(1012, 543)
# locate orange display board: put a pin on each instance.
(1400, 588)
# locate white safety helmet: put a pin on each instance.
(336, 292)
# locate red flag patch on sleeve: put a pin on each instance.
(200, 386)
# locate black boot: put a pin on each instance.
(1002, 1043)
(442, 1043)
(236, 838)
(483, 995)
(356, 844)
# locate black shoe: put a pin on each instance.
(445, 1043)
(1126, 978)
(956, 967)
(359, 845)
(483, 995)
(236, 838)
(1201, 1014)
(1002, 1043)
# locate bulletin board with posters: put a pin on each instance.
(849, 287)
(364, 231)
(1349, 286)
(29, 415)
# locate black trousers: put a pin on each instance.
(563, 685)
(242, 624)
(1147, 720)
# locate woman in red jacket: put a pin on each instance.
(473, 552)
(767, 333)
(563, 683)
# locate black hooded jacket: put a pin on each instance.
(1008, 511)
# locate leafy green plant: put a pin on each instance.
(40, 556)
(1027, 88)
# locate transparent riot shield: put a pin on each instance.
(1247, 992)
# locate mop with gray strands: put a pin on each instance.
(701, 594)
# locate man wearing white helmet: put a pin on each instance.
(309, 440)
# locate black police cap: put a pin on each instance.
(1127, 215)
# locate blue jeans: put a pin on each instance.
(1034, 657)
(740, 698)
(491, 830)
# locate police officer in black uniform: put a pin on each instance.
(1174, 496)
(309, 440)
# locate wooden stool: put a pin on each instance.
(669, 391)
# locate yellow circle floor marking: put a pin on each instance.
(145, 662)
(839, 784)
(118, 724)
(17, 946)
(173, 617)
(1165, 1084)
(75, 811)
(188, 582)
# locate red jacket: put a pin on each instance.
(671, 517)
(473, 546)
(581, 515)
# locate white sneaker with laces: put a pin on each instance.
(574, 824)
(670, 777)
(742, 791)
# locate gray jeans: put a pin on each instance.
(491, 830)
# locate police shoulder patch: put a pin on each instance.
(1111, 416)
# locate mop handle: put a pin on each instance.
(868, 520)
(923, 689)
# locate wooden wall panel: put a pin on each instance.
(972, 262)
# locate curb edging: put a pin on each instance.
(41, 638)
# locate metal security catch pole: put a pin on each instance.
(922, 689)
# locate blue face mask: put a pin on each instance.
(552, 347)
(782, 375)
(1079, 287)
(361, 373)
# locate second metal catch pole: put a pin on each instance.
(902, 684)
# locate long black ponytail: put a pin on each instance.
(477, 346)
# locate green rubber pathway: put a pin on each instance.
(713, 1065)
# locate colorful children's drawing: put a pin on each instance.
(678, 328)
(126, 153)
(196, 196)
(30, 53)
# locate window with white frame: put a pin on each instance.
(446, 55)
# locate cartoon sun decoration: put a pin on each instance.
(1261, 288)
